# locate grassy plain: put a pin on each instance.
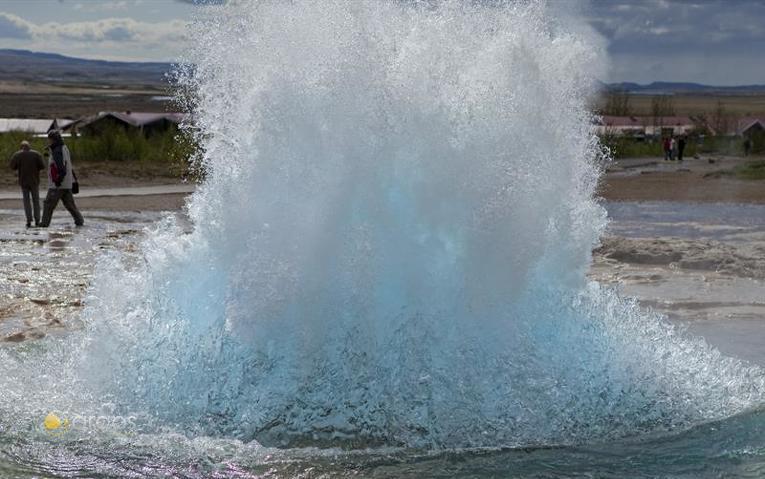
(698, 104)
(39, 100)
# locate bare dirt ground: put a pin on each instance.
(111, 174)
(38, 100)
(706, 179)
(103, 176)
(165, 202)
(703, 179)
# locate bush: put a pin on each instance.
(118, 144)
(172, 148)
(754, 170)
(758, 142)
(10, 143)
(722, 145)
(626, 147)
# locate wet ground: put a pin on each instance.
(44, 272)
(701, 264)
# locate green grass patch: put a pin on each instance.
(172, 149)
(754, 170)
(624, 147)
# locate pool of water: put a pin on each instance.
(110, 447)
(717, 221)
(734, 448)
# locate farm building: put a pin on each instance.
(621, 125)
(146, 123)
(645, 126)
(741, 126)
(750, 127)
(672, 125)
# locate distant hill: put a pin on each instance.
(659, 88)
(27, 66)
(23, 65)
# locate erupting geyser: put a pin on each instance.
(390, 246)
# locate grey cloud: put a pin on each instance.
(708, 24)
(12, 26)
(117, 30)
(119, 33)
(682, 40)
(140, 35)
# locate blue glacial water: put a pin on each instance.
(385, 275)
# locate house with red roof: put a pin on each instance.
(645, 126)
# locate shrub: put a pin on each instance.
(115, 144)
(754, 170)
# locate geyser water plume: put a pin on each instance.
(390, 246)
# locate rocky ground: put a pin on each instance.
(708, 178)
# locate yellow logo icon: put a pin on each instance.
(53, 423)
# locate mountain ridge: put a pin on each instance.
(662, 87)
(26, 65)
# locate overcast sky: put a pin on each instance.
(718, 42)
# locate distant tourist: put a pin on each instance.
(672, 149)
(680, 147)
(667, 148)
(60, 179)
(747, 146)
(28, 163)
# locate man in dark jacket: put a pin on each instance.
(29, 163)
(681, 147)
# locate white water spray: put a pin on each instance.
(391, 246)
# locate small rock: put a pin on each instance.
(15, 337)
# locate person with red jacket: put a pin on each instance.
(60, 181)
(667, 148)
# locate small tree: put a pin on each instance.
(720, 119)
(618, 103)
(662, 105)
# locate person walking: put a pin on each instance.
(667, 148)
(28, 163)
(680, 147)
(60, 179)
(672, 149)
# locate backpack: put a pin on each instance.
(54, 174)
